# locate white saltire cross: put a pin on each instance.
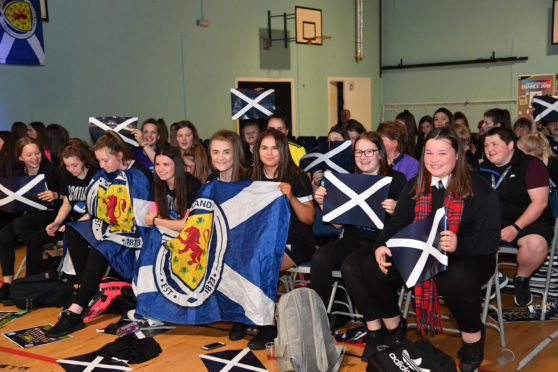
(548, 110)
(117, 129)
(326, 158)
(235, 362)
(18, 195)
(95, 363)
(251, 103)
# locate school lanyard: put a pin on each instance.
(502, 176)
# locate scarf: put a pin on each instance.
(427, 301)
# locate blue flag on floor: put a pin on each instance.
(232, 360)
(92, 362)
(252, 104)
(335, 156)
(121, 125)
(19, 194)
(224, 265)
(416, 249)
(21, 33)
(355, 199)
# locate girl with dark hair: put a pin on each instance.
(36, 130)
(29, 155)
(148, 138)
(348, 252)
(394, 136)
(18, 129)
(272, 162)
(114, 237)
(227, 157)
(408, 119)
(442, 118)
(172, 135)
(280, 121)
(426, 125)
(471, 242)
(56, 137)
(335, 134)
(163, 132)
(187, 139)
(355, 129)
(175, 189)
(7, 160)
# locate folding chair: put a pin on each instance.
(57, 248)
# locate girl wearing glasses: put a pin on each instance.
(349, 251)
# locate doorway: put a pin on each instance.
(353, 94)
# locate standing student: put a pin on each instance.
(227, 157)
(272, 162)
(111, 201)
(471, 243)
(348, 251)
(188, 140)
(29, 155)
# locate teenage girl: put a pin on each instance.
(187, 139)
(227, 157)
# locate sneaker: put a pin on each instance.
(375, 342)
(237, 332)
(471, 355)
(523, 296)
(68, 322)
(267, 334)
(5, 292)
(503, 279)
(394, 337)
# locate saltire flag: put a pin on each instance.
(224, 265)
(94, 363)
(355, 199)
(416, 249)
(232, 360)
(19, 194)
(21, 33)
(546, 108)
(335, 156)
(252, 104)
(117, 204)
(121, 125)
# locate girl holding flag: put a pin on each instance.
(471, 242)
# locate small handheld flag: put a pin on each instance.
(416, 249)
(355, 199)
(546, 108)
(335, 156)
(252, 104)
(121, 125)
(19, 194)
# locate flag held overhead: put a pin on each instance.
(252, 104)
(19, 194)
(355, 199)
(335, 156)
(416, 249)
(122, 125)
(546, 108)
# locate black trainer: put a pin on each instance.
(68, 322)
(523, 296)
(267, 334)
(375, 342)
(5, 292)
(471, 354)
(394, 337)
(237, 332)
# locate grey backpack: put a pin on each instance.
(304, 342)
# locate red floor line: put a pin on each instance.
(29, 355)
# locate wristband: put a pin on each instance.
(516, 227)
(153, 221)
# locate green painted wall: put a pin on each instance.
(435, 30)
(148, 58)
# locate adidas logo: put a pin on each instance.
(408, 364)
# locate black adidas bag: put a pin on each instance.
(40, 290)
(412, 356)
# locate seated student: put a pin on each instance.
(355, 129)
(371, 159)
(227, 157)
(408, 120)
(36, 130)
(174, 190)
(464, 135)
(425, 126)
(29, 155)
(522, 185)
(7, 163)
(522, 127)
(18, 129)
(460, 118)
(394, 136)
(188, 140)
(552, 127)
(272, 162)
(172, 135)
(335, 134)
(148, 138)
(118, 184)
(492, 118)
(280, 121)
(250, 133)
(471, 242)
(56, 137)
(442, 118)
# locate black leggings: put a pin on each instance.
(90, 266)
(460, 285)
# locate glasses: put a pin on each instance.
(368, 153)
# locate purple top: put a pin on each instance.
(142, 158)
(406, 165)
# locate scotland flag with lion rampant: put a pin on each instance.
(224, 264)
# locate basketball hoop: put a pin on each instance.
(317, 39)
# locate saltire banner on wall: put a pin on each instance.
(21, 33)
(224, 264)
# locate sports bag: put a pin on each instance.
(40, 290)
(304, 342)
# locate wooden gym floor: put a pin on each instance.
(181, 346)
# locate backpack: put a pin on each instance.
(411, 356)
(40, 290)
(109, 289)
(304, 342)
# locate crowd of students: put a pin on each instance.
(493, 187)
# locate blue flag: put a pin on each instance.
(21, 33)
(121, 125)
(19, 194)
(335, 156)
(232, 360)
(224, 265)
(252, 104)
(416, 249)
(355, 199)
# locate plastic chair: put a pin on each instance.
(57, 248)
